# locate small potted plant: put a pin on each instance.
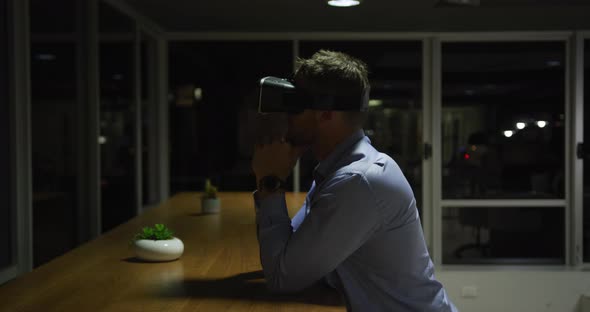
(157, 244)
(209, 202)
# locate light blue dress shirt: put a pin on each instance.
(359, 230)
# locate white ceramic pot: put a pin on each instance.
(210, 205)
(159, 250)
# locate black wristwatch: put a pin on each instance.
(271, 184)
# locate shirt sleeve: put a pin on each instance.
(343, 216)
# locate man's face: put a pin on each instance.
(302, 128)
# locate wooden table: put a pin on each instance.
(219, 270)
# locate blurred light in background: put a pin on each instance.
(198, 94)
(375, 103)
(46, 57)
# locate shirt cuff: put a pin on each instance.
(271, 210)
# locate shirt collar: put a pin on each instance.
(325, 167)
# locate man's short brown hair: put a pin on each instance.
(334, 73)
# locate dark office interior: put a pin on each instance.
(111, 108)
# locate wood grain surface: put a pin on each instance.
(219, 270)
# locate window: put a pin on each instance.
(503, 235)
(503, 137)
(213, 109)
(118, 149)
(54, 106)
(503, 120)
(148, 126)
(53, 17)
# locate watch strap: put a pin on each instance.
(271, 183)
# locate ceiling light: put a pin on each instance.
(508, 133)
(344, 3)
(541, 123)
(520, 125)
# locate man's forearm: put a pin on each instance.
(273, 231)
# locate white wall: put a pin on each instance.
(518, 291)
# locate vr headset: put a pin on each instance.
(279, 95)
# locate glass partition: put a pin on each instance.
(149, 102)
(503, 137)
(54, 106)
(503, 235)
(118, 150)
(503, 122)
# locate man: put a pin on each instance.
(359, 228)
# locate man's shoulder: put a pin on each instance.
(378, 172)
(367, 162)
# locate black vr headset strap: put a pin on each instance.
(281, 95)
(329, 102)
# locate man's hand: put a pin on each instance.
(277, 158)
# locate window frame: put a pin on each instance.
(578, 46)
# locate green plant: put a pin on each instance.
(158, 232)
(210, 190)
